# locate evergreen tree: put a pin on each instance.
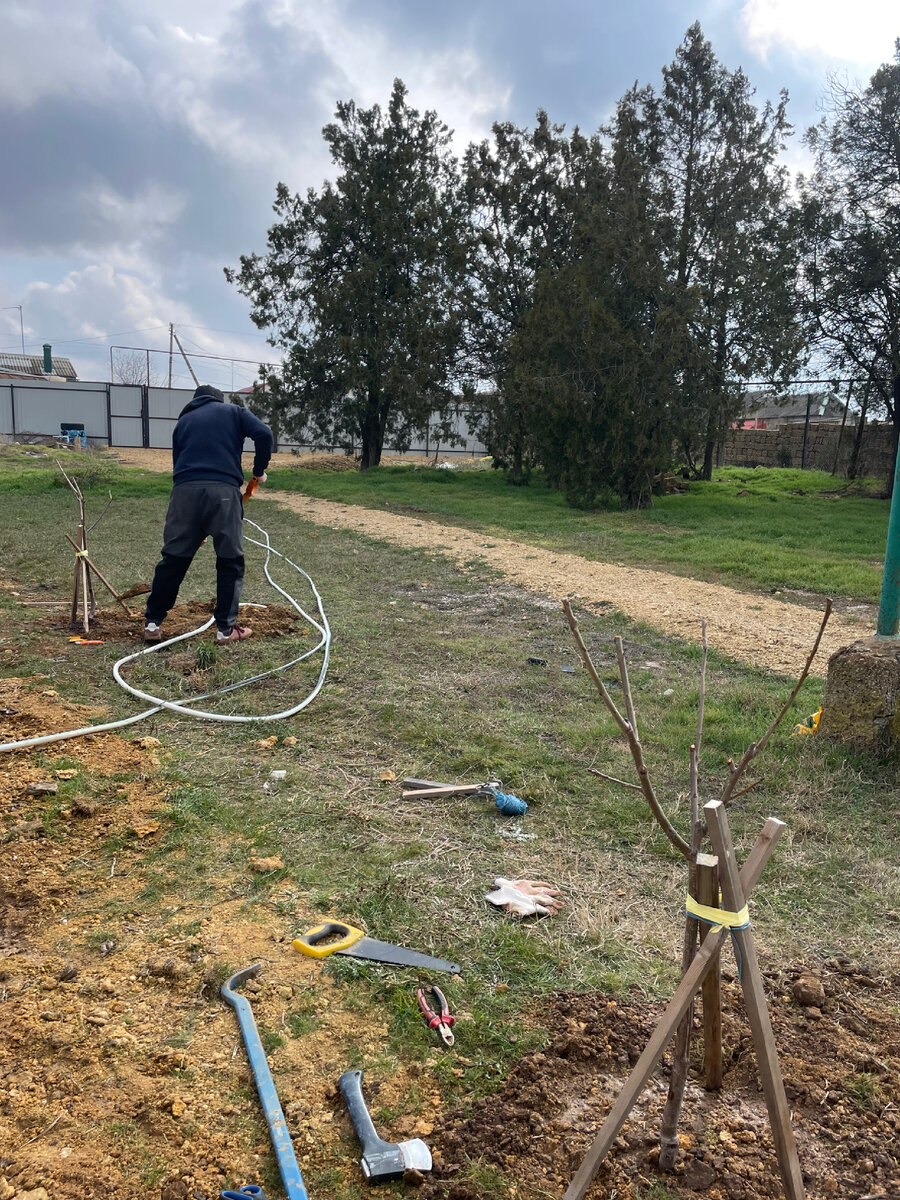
(363, 283)
(595, 357)
(851, 208)
(519, 189)
(731, 236)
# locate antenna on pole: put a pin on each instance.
(171, 335)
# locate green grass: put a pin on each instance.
(757, 528)
(430, 677)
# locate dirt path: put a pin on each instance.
(752, 628)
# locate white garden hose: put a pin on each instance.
(324, 644)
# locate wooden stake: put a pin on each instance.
(677, 1007)
(708, 893)
(733, 897)
(109, 587)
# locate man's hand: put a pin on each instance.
(261, 478)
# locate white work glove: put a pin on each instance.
(525, 897)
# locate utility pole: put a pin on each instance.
(9, 308)
(185, 357)
(889, 609)
(171, 335)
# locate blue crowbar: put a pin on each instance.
(265, 1085)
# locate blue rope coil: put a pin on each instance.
(507, 804)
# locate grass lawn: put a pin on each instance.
(753, 528)
(430, 677)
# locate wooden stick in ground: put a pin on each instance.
(109, 587)
(708, 894)
(684, 994)
(733, 897)
(681, 1052)
(82, 567)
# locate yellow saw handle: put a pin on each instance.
(309, 942)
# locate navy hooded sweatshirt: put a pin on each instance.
(209, 438)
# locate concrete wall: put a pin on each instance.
(766, 447)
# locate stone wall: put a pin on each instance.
(770, 447)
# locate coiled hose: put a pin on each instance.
(159, 705)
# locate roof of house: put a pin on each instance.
(768, 407)
(33, 364)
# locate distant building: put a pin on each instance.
(764, 410)
(31, 366)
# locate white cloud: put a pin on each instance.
(861, 34)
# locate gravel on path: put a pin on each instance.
(753, 628)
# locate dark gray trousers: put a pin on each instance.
(198, 510)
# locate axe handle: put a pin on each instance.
(350, 1084)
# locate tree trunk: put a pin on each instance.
(518, 464)
(373, 430)
(853, 465)
(709, 451)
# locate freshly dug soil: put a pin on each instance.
(750, 627)
(113, 625)
(840, 1064)
(122, 1073)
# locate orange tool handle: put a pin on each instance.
(250, 488)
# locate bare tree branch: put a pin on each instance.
(735, 772)
(626, 684)
(634, 744)
(702, 701)
(635, 787)
(102, 515)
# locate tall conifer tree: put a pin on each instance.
(364, 283)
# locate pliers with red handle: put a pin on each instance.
(441, 1021)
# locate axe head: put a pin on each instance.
(388, 1160)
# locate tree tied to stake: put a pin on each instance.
(689, 848)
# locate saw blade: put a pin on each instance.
(398, 956)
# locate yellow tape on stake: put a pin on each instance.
(718, 917)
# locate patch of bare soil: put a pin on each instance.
(122, 1073)
(113, 624)
(313, 460)
(840, 1064)
(752, 628)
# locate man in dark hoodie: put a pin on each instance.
(206, 502)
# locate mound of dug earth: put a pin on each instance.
(840, 1064)
(266, 621)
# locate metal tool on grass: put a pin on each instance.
(354, 943)
(265, 1085)
(440, 1020)
(507, 804)
(380, 1160)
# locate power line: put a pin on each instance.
(98, 337)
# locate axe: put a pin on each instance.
(380, 1160)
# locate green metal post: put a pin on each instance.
(889, 609)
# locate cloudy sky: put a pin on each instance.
(141, 140)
